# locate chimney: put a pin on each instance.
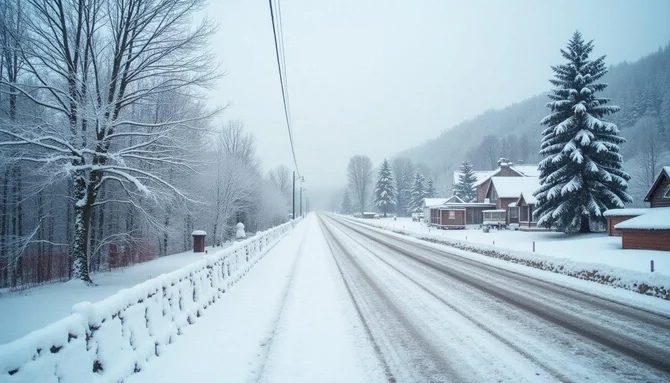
(503, 163)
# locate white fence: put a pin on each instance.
(108, 340)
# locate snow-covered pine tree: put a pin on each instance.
(581, 174)
(431, 192)
(465, 188)
(346, 203)
(418, 193)
(385, 191)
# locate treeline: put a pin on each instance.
(397, 187)
(108, 155)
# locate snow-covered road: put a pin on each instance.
(337, 301)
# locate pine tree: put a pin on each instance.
(581, 174)
(465, 188)
(430, 190)
(418, 193)
(346, 203)
(385, 191)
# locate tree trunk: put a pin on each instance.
(585, 227)
(82, 224)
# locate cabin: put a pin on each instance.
(440, 212)
(504, 192)
(616, 216)
(650, 230)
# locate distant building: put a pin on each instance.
(648, 229)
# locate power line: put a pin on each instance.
(282, 80)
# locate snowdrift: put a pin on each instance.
(108, 340)
(652, 284)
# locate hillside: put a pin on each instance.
(641, 89)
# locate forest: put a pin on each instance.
(109, 154)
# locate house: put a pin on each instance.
(505, 169)
(616, 216)
(504, 192)
(650, 229)
(659, 193)
(453, 213)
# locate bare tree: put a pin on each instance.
(89, 61)
(359, 174)
(281, 179)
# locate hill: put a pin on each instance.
(641, 89)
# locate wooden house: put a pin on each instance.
(504, 192)
(650, 230)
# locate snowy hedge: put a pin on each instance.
(653, 284)
(108, 340)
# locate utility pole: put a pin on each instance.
(301, 201)
(293, 215)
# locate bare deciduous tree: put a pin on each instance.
(359, 174)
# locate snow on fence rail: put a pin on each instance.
(653, 284)
(108, 340)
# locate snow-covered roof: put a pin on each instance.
(199, 232)
(513, 204)
(512, 187)
(527, 170)
(428, 202)
(625, 212)
(655, 219)
(528, 197)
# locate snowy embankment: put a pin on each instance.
(39, 306)
(621, 274)
(108, 340)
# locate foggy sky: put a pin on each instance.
(375, 77)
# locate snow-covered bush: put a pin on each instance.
(108, 340)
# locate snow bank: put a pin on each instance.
(108, 340)
(653, 284)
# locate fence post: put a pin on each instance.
(652, 265)
(533, 246)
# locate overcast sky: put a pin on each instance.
(375, 77)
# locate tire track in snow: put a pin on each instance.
(652, 356)
(480, 324)
(430, 364)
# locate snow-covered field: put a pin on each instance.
(29, 310)
(586, 248)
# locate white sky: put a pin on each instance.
(375, 77)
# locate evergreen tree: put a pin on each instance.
(346, 203)
(465, 188)
(430, 190)
(418, 193)
(385, 191)
(581, 174)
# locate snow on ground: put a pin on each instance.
(587, 248)
(29, 310)
(273, 325)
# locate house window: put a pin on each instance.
(667, 193)
(452, 214)
(494, 195)
(513, 212)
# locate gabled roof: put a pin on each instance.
(430, 202)
(513, 187)
(665, 172)
(484, 175)
(527, 170)
(433, 201)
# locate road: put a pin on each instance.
(339, 301)
(433, 316)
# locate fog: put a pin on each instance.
(376, 77)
